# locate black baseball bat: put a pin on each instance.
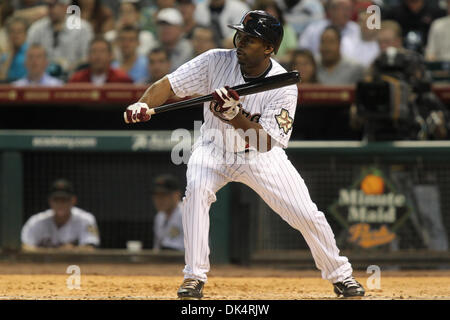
(265, 84)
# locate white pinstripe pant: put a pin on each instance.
(276, 180)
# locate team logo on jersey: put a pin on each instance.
(284, 120)
(174, 232)
(92, 230)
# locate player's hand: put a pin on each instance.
(226, 103)
(137, 112)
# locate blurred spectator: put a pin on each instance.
(334, 69)
(300, 13)
(289, 42)
(158, 64)
(66, 46)
(131, 62)
(187, 9)
(6, 10)
(63, 226)
(30, 10)
(12, 62)
(100, 71)
(218, 14)
(203, 39)
(149, 12)
(389, 35)
(170, 31)
(168, 224)
(339, 14)
(438, 47)
(36, 64)
(26, 4)
(129, 17)
(366, 49)
(97, 14)
(304, 62)
(415, 17)
(358, 6)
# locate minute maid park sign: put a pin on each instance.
(371, 210)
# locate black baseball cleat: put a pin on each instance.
(191, 289)
(349, 288)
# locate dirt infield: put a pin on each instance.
(48, 281)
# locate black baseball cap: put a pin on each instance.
(61, 188)
(165, 183)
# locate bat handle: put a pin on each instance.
(151, 112)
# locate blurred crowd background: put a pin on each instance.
(140, 41)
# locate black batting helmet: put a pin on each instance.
(260, 24)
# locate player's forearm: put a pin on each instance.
(263, 140)
(158, 93)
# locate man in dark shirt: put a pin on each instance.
(415, 17)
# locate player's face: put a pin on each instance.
(251, 51)
(62, 205)
(166, 201)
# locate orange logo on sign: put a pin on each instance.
(366, 238)
(372, 184)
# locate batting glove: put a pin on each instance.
(225, 103)
(137, 112)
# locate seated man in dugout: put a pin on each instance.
(63, 226)
(168, 223)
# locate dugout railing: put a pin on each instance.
(352, 182)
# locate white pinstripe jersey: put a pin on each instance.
(41, 231)
(273, 109)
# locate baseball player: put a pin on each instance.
(261, 163)
(63, 226)
(168, 222)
